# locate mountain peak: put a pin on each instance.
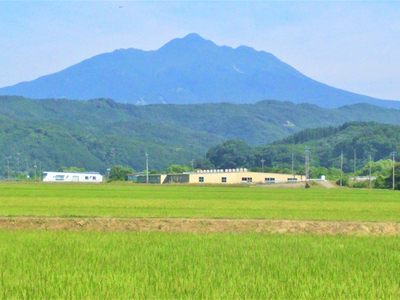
(193, 37)
(190, 41)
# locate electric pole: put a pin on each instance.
(292, 166)
(147, 168)
(8, 167)
(35, 167)
(192, 164)
(370, 169)
(27, 169)
(341, 169)
(393, 157)
(355, 163)
(262, 164)
(307, 163)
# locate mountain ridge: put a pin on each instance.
(188, 70)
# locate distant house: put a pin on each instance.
(226, 176)
(72, 177)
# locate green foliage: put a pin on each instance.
(387, 183)
(97, 134)
(71, 169)
(175, 169)
(345, 181)
(130, 265)
(326, 145)
(231, 154)
(381, 167)
(119, 173)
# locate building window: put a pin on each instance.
(247, 179)
(269, 180)
(223, 179)
(59, 177)
(201, 179)
(86, 177)
(292, 179)
(94, 177)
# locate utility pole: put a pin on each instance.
(192, 164)
(35, 166)
(292, 166)
(8, 167)
(262, 164)
(393, 156)
(341, 169)
(355, 163)
(147, 168)
(27, 169)
(370, 169)
(307, 163)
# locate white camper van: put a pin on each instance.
(72, 177)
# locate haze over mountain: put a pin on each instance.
(185, 71)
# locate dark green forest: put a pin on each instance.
(358, 141)
(97, 134)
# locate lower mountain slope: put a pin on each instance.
(98, 134)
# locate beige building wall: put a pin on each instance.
(240, 177)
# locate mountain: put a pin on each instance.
(100, 133)
(185, 71)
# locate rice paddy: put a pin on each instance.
(197, 202)
(44, 262)
(87, 265)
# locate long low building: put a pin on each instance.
(220, 176)
(72, 177)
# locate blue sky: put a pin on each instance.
(350, 45)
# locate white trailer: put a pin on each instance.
(72, 177)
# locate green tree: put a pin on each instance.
(176, 169)
(119, 173)
(71, 169)
(231, 154)
(389, 179)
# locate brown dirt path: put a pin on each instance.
(200, 225)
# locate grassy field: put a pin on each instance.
(88, 265)
(198, 202)
(59, 264)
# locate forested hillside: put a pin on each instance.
(98, 134)
(357, 140)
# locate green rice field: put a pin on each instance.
(68, 264)
(174, 201)
(94, 265)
